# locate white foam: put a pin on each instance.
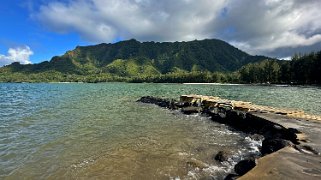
(214, 169)
(253, 144)
(183, 154)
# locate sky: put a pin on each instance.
(33, 31)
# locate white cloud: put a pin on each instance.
(270, 27)
(20, 54)
(273, 27)
(105, 20)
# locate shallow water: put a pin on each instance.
(98, 131)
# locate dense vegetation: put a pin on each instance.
(302, 69)
(130, 58)
(195, 61)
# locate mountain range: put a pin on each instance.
(131, 58)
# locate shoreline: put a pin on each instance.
(186, 83)
(286, 133)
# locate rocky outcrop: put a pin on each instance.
(244, 166)
(238, 115)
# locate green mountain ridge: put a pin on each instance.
(131, 58)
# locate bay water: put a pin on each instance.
(99, 131)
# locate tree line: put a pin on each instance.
(301, 69)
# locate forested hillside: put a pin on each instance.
(194, 61)
(122, 58)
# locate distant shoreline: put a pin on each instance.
(217, 84)
(227, 84)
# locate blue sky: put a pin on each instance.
(19, 29)
(36, 30)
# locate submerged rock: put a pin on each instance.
(223, 156)
(244, 166)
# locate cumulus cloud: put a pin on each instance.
(101, 20)
(270, 27)
(20, 54)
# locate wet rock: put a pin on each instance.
(275, 131)
(231, 177)
(311, 149)
(166, 103)
(306, 148)
(223, 156)
(244, 166)
(149, 99)
(292, 130)
(272, 145)
(289, 135)
(182, 104)
(191, 110)
(222, 115)
(197, 103)
(256, 137)
(277, 127)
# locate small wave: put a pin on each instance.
(83, 163)
(254, 145)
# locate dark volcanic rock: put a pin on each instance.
(182, 104)
(166, 103)
(191, 110)
(272, 145)
(292, 130)
(244, 166)
(231, 177)
(223, 156)
(275, 131)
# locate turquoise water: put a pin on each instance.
(98, 131)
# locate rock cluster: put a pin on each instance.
(166, 103)
(275, 136)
